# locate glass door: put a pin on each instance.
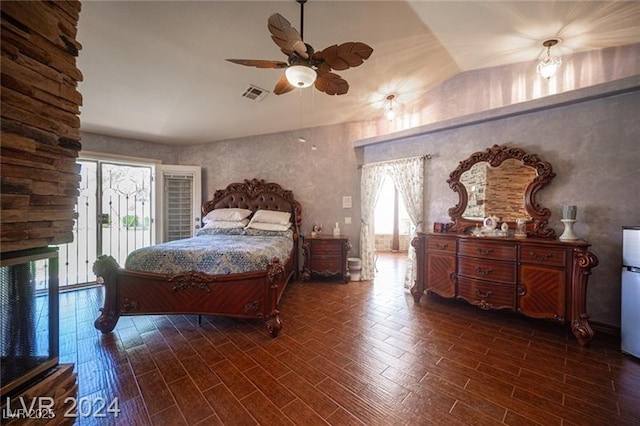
(115, 216)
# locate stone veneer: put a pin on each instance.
(40, 123)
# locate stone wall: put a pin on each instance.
(40, 123)
(384, 241)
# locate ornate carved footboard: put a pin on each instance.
(247, 295)
(243, 295)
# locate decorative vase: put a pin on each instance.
(568, 234)
(569, 212)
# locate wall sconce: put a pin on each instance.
(390, 112)
(550, 64)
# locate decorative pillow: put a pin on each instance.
(272, 216)
(259, 232)
(226, 215)
(269, 226)
(223, 231)
(222, 224)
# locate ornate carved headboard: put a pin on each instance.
(254, 195)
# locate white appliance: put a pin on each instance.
(630, 297)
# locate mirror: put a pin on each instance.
(501, 181)
(498, 190)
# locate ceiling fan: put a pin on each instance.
(305, 66)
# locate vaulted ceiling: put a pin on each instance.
(156, 70)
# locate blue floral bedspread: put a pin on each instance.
(213, 253)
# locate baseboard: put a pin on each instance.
(603, 328)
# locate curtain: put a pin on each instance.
(370, 185)
(408, 177)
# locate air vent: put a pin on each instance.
(254, 93)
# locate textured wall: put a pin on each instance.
(129, 148)
(594, 150)
(319, 179)
(490, 88)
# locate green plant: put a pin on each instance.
(130, 221)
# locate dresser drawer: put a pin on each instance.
(487, 295)
(488, 250)
(503, 272)
(542, 255)
(327, 247)
(445, 245)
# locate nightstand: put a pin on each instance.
(326, 256)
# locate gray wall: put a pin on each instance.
(318, 178)
(92, 142)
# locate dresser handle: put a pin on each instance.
(442, 246)
(484, 251)
(484, 295)
(483, 271)
(537, 256)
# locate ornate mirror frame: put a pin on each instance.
(495, 155)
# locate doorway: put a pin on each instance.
(392, 225)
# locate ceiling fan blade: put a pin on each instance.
(323, 68)
(286, 37)
(282, 86)
(259, 63)
(344, 56)
(332, 84)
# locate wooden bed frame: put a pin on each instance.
(243, 295)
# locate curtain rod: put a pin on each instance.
(426, 156)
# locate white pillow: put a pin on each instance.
(269, 226)
(226, 215)
(272, 216)
(226, 224)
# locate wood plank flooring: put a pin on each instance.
(354, 354)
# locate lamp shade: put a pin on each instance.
(390, 114)
(300, 76)
(548, 66)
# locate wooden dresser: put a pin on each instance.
(540, 278)
(326, 256)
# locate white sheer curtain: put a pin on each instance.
(408, 176)
(371, 181)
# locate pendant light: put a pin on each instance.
(390, 112)
(550, 64)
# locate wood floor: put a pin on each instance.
(361, 353)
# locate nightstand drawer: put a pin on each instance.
(327, 263)
(321, 248)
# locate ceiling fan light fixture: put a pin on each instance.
(549, 64)
(300, 76)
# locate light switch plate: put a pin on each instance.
(347, 220)
(346, 202)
